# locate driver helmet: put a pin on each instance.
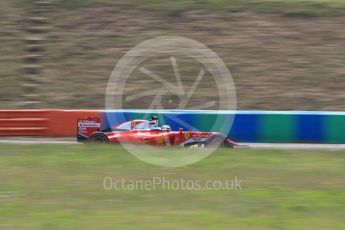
(153, 122)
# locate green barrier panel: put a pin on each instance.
(277, 128)
(335, 129)
(205, 122)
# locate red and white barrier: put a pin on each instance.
(48, 123)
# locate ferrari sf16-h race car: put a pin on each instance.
(148, 132)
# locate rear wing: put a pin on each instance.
(87, 126)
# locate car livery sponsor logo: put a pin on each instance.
(186, 135)
(91, 124)
(202, 135)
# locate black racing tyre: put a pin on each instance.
(98, 138)
(215, 141)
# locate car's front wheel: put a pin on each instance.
(215, 141)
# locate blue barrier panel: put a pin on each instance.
(245, 128)
(310, 128)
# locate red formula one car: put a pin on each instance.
(148, 132)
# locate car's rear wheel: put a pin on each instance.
(215, 141)
(99, 138)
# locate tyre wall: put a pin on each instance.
(250, 126)
(242, 126)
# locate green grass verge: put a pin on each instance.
(61, 187)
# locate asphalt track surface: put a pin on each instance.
(31, 141)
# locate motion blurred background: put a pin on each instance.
(283, 54)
